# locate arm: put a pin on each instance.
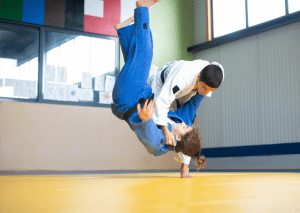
(148, 132)
(185, 161)
(169, 137)
(163, 99)
(188, 111)
(185, 171)
(146, 113)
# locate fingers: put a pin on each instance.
(186, 176)
(138, 107)
(145, 106)
(173, 142)
(168, 142)
(149, 107)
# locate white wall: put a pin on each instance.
(259, 101)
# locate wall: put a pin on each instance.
(258, 103)
(67, 138)
(172, 26)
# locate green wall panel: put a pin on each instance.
(11, 9)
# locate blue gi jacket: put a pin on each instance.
(152, 137)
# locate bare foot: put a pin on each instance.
(125, 23)
(146, 3)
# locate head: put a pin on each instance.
(209, 79)
(189, 143)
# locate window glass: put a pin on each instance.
(19, 50)
(78, 68)
(260, 11)
(228, 16)
(294, 5)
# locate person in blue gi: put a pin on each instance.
(132, 97)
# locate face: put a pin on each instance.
(202, 88)
(179, 129)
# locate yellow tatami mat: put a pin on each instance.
(151, 192)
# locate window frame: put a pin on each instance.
(16, 25)
(211, 42)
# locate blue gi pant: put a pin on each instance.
(137, 47)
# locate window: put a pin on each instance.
(19, 50)
(232, 15)
(48, 65)
(230, 11)
(260, 11)
(294, 5)
(78, 68)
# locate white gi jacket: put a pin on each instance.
(179, 80)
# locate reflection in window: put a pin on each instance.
(19, 63)
(78, 68)
(294, 5)
(260, 11)
(228, 18)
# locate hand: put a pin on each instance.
(169, 137)
(146, 113)
(185, 171)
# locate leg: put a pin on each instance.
(125, 32)
(131, 84)
(126, 35)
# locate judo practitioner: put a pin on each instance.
(174, 85)
(132, 97)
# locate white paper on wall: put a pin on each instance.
(85, 94)
(72, 93)
(109, 83)
(32, 89)
(61, 92)
(94, 8)
(49, 73)
(100, 83)
(86, 80)
(20, 88)
(49, 91)
(127, 9)
(62, 74)
(10, 82)
(1, 82)
(105, 97)
(26, 88)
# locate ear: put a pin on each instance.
(178, 137)
(198, 77)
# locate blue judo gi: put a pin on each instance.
(131, 86)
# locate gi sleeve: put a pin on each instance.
(182, 158)
(188, 111)
(174, 83)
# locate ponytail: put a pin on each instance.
(200, 162)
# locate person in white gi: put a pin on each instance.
(174, 85)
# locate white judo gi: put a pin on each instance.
(172, 85)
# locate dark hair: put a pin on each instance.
(190, 144)
(212, 76)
